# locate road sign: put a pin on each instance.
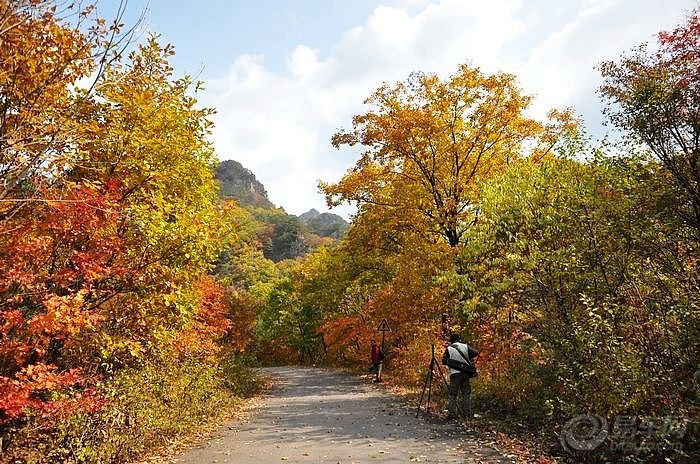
(384, 326)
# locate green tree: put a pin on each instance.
(656, 98)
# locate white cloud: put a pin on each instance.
(279, 124)
(303, 62)
(561, 69)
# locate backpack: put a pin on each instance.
(465, 367)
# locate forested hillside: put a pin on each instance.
(325, 224)
(283, 236)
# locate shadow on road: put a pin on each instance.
(316, 415)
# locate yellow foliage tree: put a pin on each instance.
(429, 146)
(429, 143)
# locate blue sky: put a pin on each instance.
(213, 32)
(284, 75)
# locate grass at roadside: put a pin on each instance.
(149, 411)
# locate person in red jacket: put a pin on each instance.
(377, 357)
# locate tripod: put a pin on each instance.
(429, 380)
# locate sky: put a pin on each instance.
(284, 75)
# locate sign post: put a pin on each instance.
(383, 328)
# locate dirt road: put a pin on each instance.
(321, 416)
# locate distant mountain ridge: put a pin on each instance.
(285, 236)
(325, 224)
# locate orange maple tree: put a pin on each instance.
(106, 231)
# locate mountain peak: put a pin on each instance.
(240, 184)
(324, 224)
(309, 215)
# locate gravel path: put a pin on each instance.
(319, 416)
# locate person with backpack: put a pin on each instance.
(459, 357)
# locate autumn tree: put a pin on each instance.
(429, 143)
(110, 224)
(549, 267)
(58, 240)
(106, 271)
(655, 96)
(429, 146)
(45, 48)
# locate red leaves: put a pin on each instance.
(684, 41)
(345, 334)
(211, 322)
(34, 389)
(58, 263)
(65, 317)
(680, 51)
(10, 319)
